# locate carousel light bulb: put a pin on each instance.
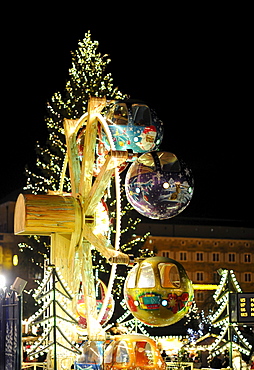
(164, 303)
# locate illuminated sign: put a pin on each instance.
(245, 307)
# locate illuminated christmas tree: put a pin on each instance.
(230, 337)
(54, 296)
(87, 77)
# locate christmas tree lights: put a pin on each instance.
(221, 318)
(55, 297)
(88, 76)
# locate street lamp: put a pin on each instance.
(18, 286)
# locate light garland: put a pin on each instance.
(221, 317)
(221, 285)
(51, 297)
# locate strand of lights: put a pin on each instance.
(221, 296)
(227, 345)
(235, 282)
(241, 337)
(217, 314)
(41, 340)
(221, 285)
(220, 337)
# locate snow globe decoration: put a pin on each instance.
(159, 185)
(158, 291)
(134, 126)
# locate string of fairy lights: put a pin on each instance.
(53, 292)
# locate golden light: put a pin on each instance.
(15, 260)
(205, 286)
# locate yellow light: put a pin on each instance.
(205, 286)
(15, 260)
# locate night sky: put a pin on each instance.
(194, 70)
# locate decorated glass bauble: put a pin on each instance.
(91, 356)
(159, 185)
(133, 352)
(134, 126)
(158, 291)
(101, 292)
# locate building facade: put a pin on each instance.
(203, 250)
(10, 262)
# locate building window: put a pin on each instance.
(215, 257)
(247, 277)
(231, 257)
(200, 276)
(199, 297)
(183, 256)
(247, 258)
(216, 277)
(199, 256)
(165, 254)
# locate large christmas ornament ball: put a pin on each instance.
(134, 126)
(158, 291)
(159, 185)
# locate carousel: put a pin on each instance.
(157, 290)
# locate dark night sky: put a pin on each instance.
(195, 71)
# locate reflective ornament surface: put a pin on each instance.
(158, 291)
(159, 185)
(133, 352)
(134, 126)
(91, 357)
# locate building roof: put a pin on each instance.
(198, 230)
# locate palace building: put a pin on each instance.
(203, 250)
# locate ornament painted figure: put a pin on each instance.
(134, 126)
(159, 185)
(158, 291)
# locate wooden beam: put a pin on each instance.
(45, 214)
(70, 128)
(114, 159)
(95, 105)
(100, 243)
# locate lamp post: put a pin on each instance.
(17, 287)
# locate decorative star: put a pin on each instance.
(158, 176)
